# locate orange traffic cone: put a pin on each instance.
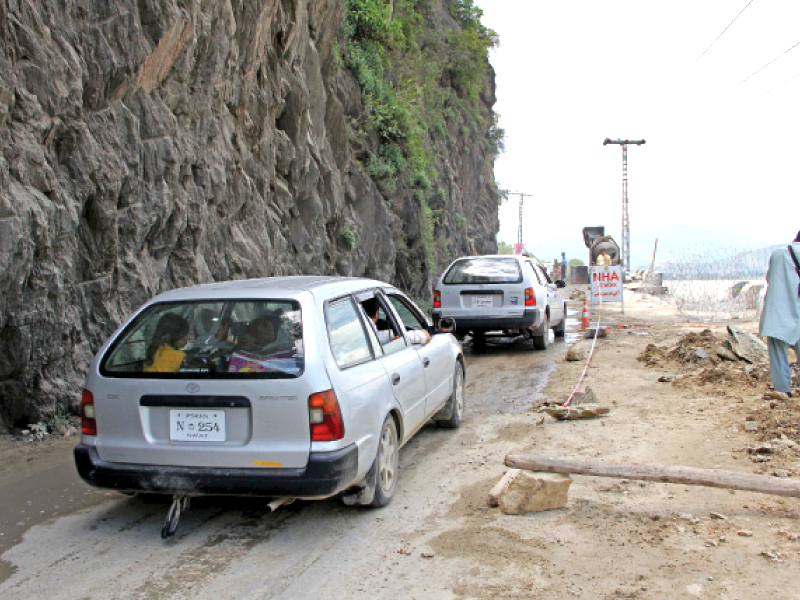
(585, 318)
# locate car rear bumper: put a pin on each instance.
(530, 318)
(326, 474)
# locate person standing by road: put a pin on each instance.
(563, 266)
(780, 317)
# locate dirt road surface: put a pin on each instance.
(438, 539)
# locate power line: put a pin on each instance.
(724, 30)
(779, 85)
(769, 63)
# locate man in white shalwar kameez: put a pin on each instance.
(780, 317)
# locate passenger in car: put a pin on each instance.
(205, 329)
(258, 343)
(164, 354)
(384, 330)
(259, 336)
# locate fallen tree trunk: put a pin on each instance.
(663, 473)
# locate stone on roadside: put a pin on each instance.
(576, 352)
(528, 492)
(750, 426)
(747, 346)
(573, 413)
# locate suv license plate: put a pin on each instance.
(197, 425)
(482, 302)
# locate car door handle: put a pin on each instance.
(395, 379)
(426, 361)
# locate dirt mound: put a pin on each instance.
(777, 419)
(711, 358)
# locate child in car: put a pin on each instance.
(164, 354)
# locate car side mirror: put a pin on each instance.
(561, 284)
(446, 325)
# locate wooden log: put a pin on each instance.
(663, 473)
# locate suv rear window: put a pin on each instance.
(226, 339)
(484, 270)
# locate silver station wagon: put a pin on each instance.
(292, 387)
(502, 294)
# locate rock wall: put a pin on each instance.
(152, 144)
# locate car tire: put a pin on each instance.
(383, 473)
(560, 329)
(541, 336)
(456, 401)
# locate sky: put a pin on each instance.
(721, 124)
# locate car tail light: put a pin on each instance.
(437, 299)
(325, 417)
(88, 424)
(530, 297)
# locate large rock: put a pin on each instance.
(152, 144)
(521, 492)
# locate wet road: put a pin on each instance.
(97, 544)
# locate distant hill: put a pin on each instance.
(675, 242)
(684, 242)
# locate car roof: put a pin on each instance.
(513, 256)
(291, 286)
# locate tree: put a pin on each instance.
(504, 248)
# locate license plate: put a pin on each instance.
(482, 302)
(197, 425)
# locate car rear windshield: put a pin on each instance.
(233, 339)
(484, 270)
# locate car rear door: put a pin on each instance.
(554, 299)
(360, 380)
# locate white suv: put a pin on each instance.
(503, 294)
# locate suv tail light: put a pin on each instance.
(325, 417)
(88, 424)
(530, 297)
(437, 299)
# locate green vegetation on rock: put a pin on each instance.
(415, 80)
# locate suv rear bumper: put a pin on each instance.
(326, 474)
(530, 318)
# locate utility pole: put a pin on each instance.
(519, 246)
(626, 232)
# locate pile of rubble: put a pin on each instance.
(712, 358)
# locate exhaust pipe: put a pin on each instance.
(278, 502)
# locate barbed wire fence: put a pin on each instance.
(717, 283)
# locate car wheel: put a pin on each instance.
(560, 329)
(384, 469)
(456, 401)
(541, 336)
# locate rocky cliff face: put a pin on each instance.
(152, 144)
